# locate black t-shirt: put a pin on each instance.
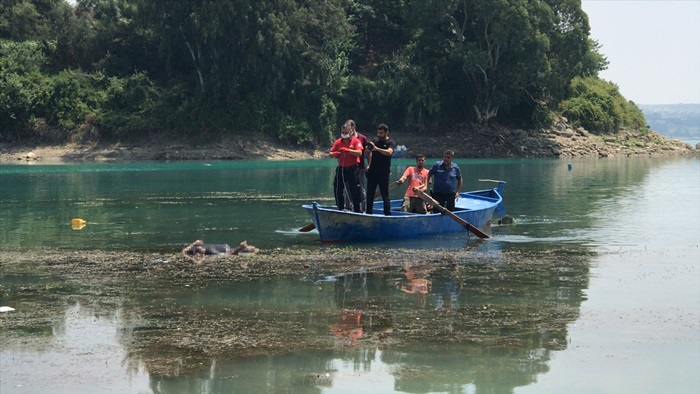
(381, 164)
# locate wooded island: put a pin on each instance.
(293, 71)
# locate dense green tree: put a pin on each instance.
(36, 105)
(102, 35)
(22, 85)
(23, 20)
(572, 53)
(380, 31)
(132, 106)
(501, 55)
(295, 69)
(256, 63)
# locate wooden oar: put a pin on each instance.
(491, 180)
(392, 186)
(447, 212)
(307, 228)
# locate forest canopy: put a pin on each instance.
(119, 70)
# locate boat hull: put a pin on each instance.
(333, 225)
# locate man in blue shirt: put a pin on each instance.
(447, 180)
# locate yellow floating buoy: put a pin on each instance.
(77, 224)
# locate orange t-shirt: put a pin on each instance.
(346, 159)
(415, 179)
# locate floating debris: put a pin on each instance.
(77, 224)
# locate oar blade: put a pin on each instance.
(476, 231)
(307, 228)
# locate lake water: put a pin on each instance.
(627, 320)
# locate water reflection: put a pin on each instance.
(486, 321)
(67, 348)
(477, 326)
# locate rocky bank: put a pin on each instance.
(561, 140)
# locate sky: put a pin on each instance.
(652, 46)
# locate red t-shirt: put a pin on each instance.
(346, 159)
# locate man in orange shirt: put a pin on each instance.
(347, 149)
(417, 178)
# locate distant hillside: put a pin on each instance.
(680, 121)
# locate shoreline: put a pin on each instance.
(491, 142)
(119, 152)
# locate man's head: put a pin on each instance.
(382, 131)
(420, 160)
(351, 123)
(346, 131)
(447, 157)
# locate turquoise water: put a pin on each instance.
(165, 206)
(157, 206)
(627, 321)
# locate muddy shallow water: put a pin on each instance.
(170, 336)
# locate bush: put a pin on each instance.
(23, 89)
(74, 96)
(598, 106)
(130, 107)
(293, 131)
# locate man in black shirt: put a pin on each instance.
(379, 168)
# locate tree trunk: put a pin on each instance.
(483, 115)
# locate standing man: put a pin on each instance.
(417, 179)
(347, 149)
(379, 168)
(363, 178)
(447, 181)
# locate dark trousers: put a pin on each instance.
(447, 200)
(347, 182)
(363, 188)
(374, 180)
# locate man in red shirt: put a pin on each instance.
(347, 149)
(363, 181)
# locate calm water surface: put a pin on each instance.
(626, 322)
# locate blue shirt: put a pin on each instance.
(445, 178)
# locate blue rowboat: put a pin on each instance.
(333, 225)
